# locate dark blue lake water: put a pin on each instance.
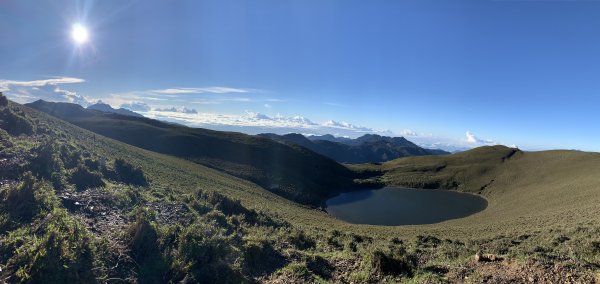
(402, 206)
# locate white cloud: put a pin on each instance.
(346, 125)
(180, 110)
(39, 83)
(256, 116)
(213, 90)
(52, 89)
(45, 89)
(408, 132)
(187, 96)
(255, 122)
(136, 106)
(299, 119)
(472, 139)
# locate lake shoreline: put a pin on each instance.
(398, 206)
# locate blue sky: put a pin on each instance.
(513, 72)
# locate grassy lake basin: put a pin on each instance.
(393, 206)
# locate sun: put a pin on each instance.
(79, 33)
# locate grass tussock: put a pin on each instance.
(83, 178)
(15, 122)
(129, 173)
(60, 251)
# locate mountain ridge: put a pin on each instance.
(369, 148)
(301, 174)
(100, 106)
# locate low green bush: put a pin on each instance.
(396, 261)
(261, 258)
(19, 201)
(3, 100)
(70, 156)
(145, 248)
(46, 162)
(61, 250)
(91, 164)
(300, 240)
(225, 204)
(129, 174)
(208, 255)
(84, 178)
(5, 140)
(15, 124)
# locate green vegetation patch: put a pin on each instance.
(15, 121)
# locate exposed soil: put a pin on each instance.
(501, 271)
(95, 208)
(511, 271)
(103, 217)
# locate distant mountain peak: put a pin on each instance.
(364, 149)
(101, 106)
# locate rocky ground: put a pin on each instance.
(511, 271)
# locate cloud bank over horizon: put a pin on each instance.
(162, 104)
(472, 139)
(45, 89)
(256, 123)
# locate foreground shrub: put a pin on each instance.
(427, 242)
(19, 202)
(93, 165)
(260, 258)
(60, 250)
(84, 178)
(3, 100)
(15, 124)
(225, 204)
(69, 155)
(129, 174)
(395, 262)
(5, 140)
(46, 161)
(208, 256)
(300, 240)
(145, 248)
(319, 266)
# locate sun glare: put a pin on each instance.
(79, 34)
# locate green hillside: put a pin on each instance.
(290, 171)
(79, 207)
(553, 187)
(470, 171)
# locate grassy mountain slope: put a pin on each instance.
(185, 224)
(469, 171)
(107, 108)
(291, 171)
(549, 188)
(365, 149)
(179, 224)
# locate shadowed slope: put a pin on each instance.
(291, 171)
(107, 108)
